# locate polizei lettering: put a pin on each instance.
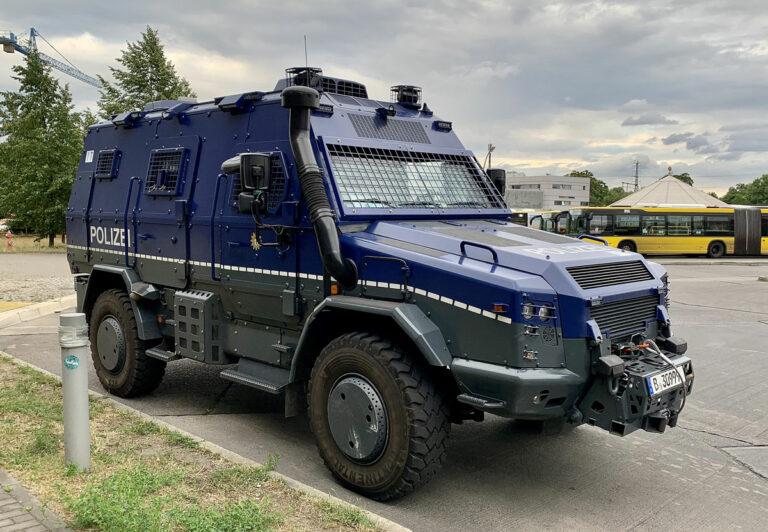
(109, 236)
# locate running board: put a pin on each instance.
(478, 402)
(161, 354)
(264, 377)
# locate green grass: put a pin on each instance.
(143, 476)
(345, 515)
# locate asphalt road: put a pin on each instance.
(711, 472)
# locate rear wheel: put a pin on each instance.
(628, 245)
(716, 250)
(380, 423)
(118, 353)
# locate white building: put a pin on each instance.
(556, 192)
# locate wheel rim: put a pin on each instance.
(357, 418)
(110, 344)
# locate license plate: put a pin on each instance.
(661, 382)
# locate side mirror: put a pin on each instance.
(498, 178)
(254, 172)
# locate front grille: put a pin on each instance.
(625, 317)
(609, 274)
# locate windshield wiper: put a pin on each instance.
(372, 200)
(467, 204)
(422, 203)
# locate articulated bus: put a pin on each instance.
(669, 230)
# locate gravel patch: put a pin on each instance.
(34, 277)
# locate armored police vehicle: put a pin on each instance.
(350, 255)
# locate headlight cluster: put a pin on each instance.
(544, 312)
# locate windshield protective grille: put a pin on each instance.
(386, 179)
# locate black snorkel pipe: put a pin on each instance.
(299, 101)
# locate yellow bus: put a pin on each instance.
(711, 231)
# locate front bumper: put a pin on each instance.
(548, 393)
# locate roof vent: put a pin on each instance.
(313, 77)
(407, 95)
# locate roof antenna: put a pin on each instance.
(306, 56)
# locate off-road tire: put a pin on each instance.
(139, 373)
(628, 245)
(418, 419)
(716, 250)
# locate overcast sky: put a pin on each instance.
(555, 86)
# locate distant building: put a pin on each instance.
(669, 191)
(547, 192)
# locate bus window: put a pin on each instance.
(601, 224)
(718, 225)
(765, 225)
(698, 225)
(627, 224)
(578, 224)
(679, 225)
(654, 225)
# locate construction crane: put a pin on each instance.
(11, 44)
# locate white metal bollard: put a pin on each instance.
(73, 338)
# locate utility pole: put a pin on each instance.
(637, 175)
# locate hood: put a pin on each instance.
(580, 268)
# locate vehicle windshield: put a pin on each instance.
(386, 179)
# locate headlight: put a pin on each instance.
(528, 311)
(545, 313)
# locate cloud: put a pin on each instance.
(648, 119)
(676, 138)
(635, 105)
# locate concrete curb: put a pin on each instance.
(709, 262)
(381, 522)
(30, 312)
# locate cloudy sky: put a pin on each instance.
(555, 86)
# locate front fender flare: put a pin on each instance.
(408, 317)
(146, 321)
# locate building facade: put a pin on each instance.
(556, 192)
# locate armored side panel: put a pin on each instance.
(198, 326)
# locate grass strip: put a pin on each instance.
(144, 477)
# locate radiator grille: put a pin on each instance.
(165, 171)
(610, 274)
(390, 129)
(620, 318)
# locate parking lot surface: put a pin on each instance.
(711, 472)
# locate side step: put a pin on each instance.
(161, 354)
(264, 377)
(477, 402)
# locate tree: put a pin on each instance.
(754, 193)
(41, 149)
(685, 177)
(600, 194)
(146, 75)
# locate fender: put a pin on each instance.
(407, 316)
(104, 275)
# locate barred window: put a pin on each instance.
(166, 171)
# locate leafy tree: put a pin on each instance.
(754, 193)
(600, 194)
(41, 149)
(145, 75)
(685, 177)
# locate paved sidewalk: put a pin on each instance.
(21, 511)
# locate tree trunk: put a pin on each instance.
(63, 238)
(51, 239)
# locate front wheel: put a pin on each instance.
(380, 423)
(118, 353)
(716, 250)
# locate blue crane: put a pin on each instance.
(11, 44)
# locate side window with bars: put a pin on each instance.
(107, 164)
(277, 185)
(166, 171)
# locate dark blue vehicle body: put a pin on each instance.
(510, 320)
